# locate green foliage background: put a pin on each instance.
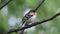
(18, 7)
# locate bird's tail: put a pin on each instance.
(22, 32)
(23, 25)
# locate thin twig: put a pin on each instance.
(33, 24)
(39, 5)
(5, 4)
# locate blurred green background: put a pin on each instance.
(11, 15)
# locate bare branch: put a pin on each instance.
(33, 24)
(5, 4)
(39, 5)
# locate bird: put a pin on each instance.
(28, 18)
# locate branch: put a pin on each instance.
(33, 24)
(5, 4)
(39, 5)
